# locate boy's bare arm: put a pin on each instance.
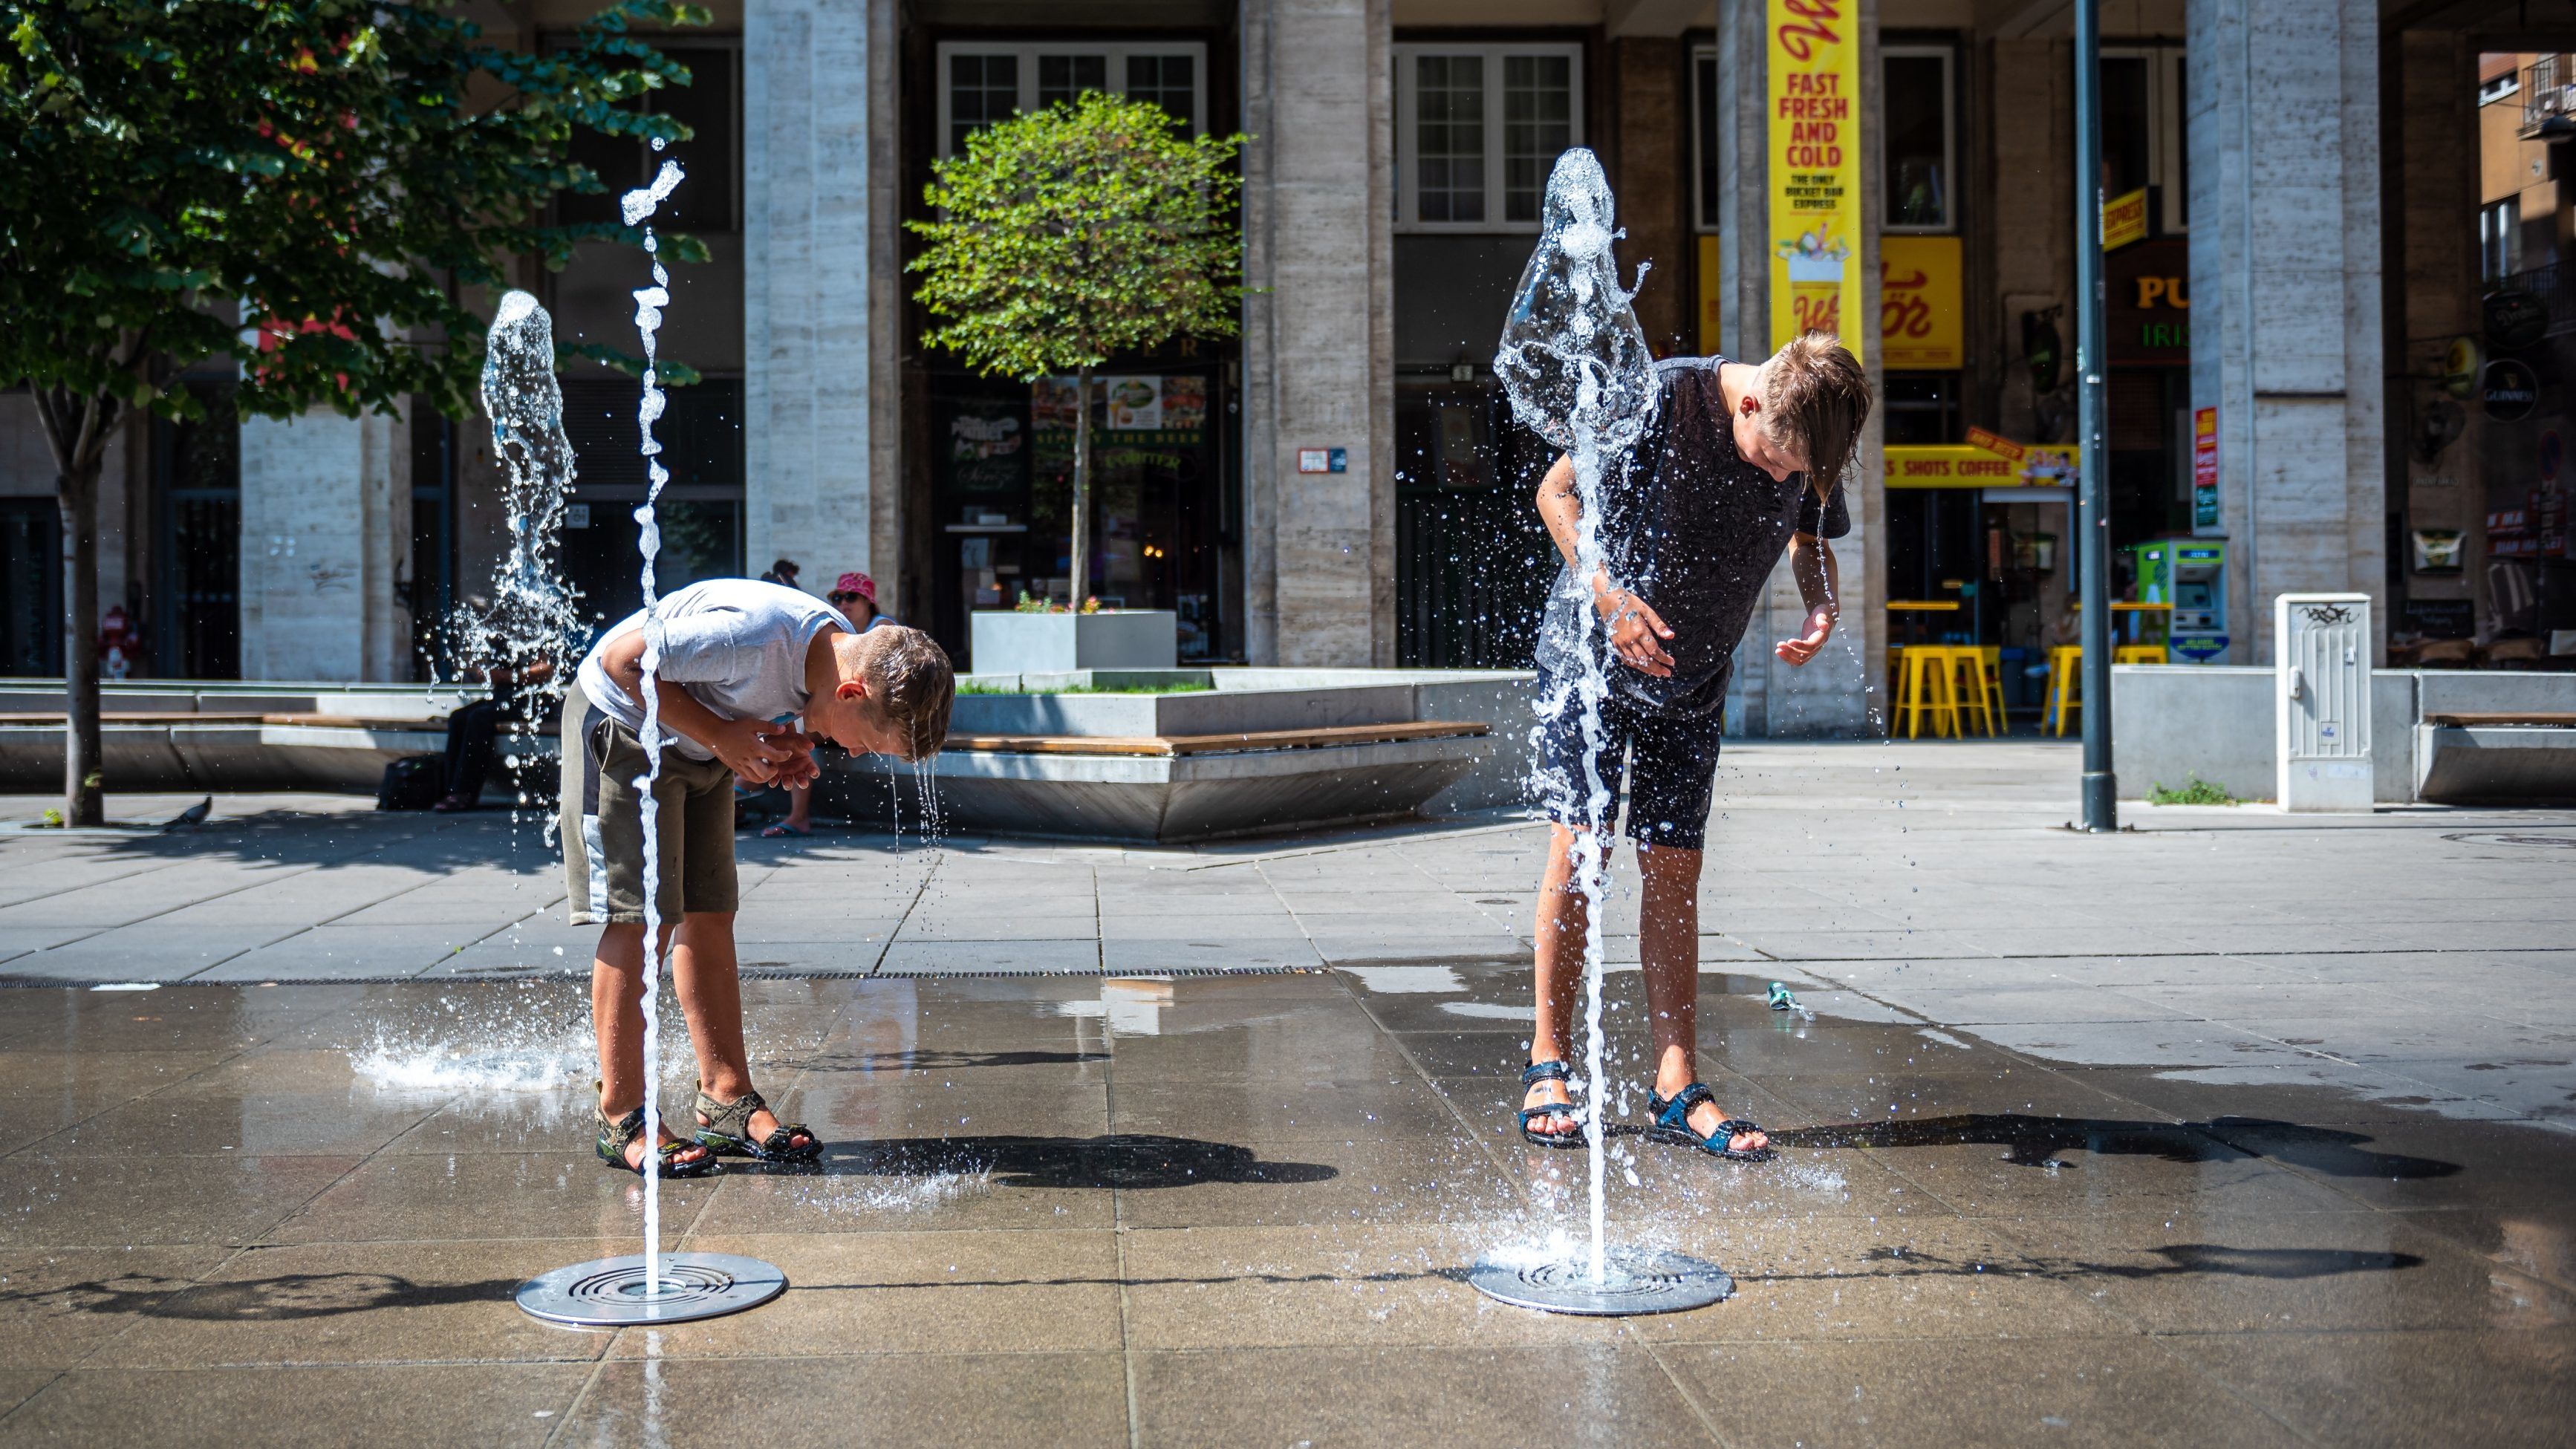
(744, 745)
(1636, 631)
(1811, 562)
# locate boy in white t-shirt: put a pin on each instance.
(740, 660)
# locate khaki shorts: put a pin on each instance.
(603, 824)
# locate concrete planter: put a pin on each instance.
(1007, 642)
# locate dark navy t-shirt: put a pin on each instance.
(1695, 531)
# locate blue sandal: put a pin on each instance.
(1672, 1124)
(1531, 1076)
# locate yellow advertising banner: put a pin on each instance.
(1966, 465)
(1711, 312)
(2124, 220)
(1814, 55)
(1920, 317)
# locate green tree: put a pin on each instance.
(1069, 235)
(301, 186)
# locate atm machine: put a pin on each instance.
(2191, 575)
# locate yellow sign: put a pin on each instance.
(1814, 135)
(1711, 280)
(1965, 465)
(2124, 220)
(1919, 313)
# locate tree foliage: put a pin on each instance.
(1068, 235)
(300, 185)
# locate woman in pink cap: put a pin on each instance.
(855, 595)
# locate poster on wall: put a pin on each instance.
(987, 451)
(1919, 315)
(2204, 472)
(1816, 282)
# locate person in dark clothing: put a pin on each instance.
(475, 726)
(1741, 463)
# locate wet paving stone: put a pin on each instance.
(2279, 1177)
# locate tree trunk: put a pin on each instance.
(84, 764)
(1081, 486)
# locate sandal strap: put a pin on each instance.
(1537, 1072)
(733, 1118)
(1674, 1111)
(619, 1132)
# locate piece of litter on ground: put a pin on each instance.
(1782, 999)
(127, 986)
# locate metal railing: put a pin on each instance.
(2545, 91)
(2553, 292)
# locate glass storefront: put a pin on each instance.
(1161, 507)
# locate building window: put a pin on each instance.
(709, 106)
(1478, 128)
(2142, 126)
(2500, 238)
(1921, 150)
(196, 475)
(2497, 88)
(986, 82)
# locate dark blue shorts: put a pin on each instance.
(1671, 761)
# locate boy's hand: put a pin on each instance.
(753, 749)
(1820, 627)
(1636, 631)
(799, 770)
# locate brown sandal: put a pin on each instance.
(617, 1134)
(728, 1130)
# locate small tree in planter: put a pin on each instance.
(1072, 234)
(300, 187)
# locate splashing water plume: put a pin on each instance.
(533, 613)
(637, 207)
(1576, 366)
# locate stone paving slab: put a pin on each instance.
(2196, 1134)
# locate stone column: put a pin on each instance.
(2283, 120)
(1841, 692)
(1318, 332)
(325, 533)
(821, 299)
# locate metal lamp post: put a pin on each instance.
(2101, 796)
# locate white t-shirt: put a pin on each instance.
(736, 645)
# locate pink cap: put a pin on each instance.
(859, 584)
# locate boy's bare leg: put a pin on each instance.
(1563, 915)
(617, 1019)
(709, 976)
(1668, 945)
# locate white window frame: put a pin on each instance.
(2164, 123)
(1949, 59)
(1407, 148)
(1117, 53)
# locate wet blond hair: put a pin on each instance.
(1814, 399)
(909, 676)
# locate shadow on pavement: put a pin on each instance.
(2035, 1141)
(1115, 1161)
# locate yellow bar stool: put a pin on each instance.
(2065, 682)
(1991, 658)
(2140, 654)
(1969, 661)
(1926, 690)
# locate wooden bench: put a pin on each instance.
(1176, 746)
(189, 717)
(2504, 719)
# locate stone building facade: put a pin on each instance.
(1339, 484)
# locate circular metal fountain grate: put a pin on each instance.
(1636, 1280)
(609, 1292)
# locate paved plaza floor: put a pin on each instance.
(2231, 1129)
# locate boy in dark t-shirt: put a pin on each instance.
(1741, 462)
